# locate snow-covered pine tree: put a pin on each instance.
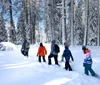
(32, 15)
(47, 21)
(12, 28)
(78, 25)
(53, 21)
(21, 32)
(93, 22)
(3, 31)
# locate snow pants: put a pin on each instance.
(43, 57)
(88, 68)
(55, 59)
(67, 66)
(25, 53)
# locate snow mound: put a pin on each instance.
(7, 46)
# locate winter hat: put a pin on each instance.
(53, 41)
(65, 44)
(84, 48)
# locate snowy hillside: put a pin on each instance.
(15, 69)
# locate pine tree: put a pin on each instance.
(12, 30)
(78, 25)
(21, 32)
(3, 31)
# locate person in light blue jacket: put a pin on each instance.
(87, 62)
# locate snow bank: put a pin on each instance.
(7, 46)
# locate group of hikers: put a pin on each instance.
(55, 49)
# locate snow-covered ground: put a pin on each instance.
(15, 69)
(7, 46)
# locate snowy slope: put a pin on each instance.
(15, 69)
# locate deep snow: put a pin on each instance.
(16, 69)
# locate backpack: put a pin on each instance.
(57, 49)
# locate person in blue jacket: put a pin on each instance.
(67, 55)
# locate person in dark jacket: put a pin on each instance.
(53, 53)
(67, 55)
(87, 61)
(65, 44)
(25, 48)
(41, 52)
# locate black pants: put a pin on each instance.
(55, 59)
(25, 53)
(39, 58)
(67, 66)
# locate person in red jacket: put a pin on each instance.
(41, 53)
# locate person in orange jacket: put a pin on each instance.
(41, 53)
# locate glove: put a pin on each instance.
(84, 64)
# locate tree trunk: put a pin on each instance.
(98, 42)
(86, 22)
(12, 28)
(11, 16)
(72, 24)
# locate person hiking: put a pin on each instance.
(65, 44)
(25, 48)
(41, 53)
(67, 54)
(54, 52)
(88, 62)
